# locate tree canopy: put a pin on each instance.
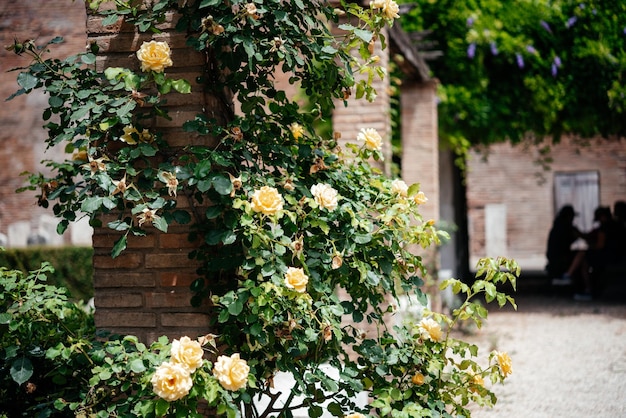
(514, 69)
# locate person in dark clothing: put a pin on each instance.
(563, 262)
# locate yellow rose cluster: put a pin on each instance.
(172, 379)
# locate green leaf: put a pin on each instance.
(213, 212)
(222, 185)
(88, 58)
(137, 366)
(182, 217)
(21, 370)
(235, 308)
(182, 86)
(160, 224)
(120, 245)
(5, 318)
(27, 81)
(365, 35)
(118, 225)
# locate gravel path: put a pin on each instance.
(569, 358)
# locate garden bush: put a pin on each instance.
(73, 266)
(315, 242)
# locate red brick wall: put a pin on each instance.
(509, 176)
(145, 291)
(22, 135)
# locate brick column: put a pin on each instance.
(145, 290)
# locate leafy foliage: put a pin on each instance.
(514, 68)
(303, 243)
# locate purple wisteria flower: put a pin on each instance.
(570, 22)
(624, 30)
(545, 25)
(582, 6)
(520, 60)
(554, 70)
(469, 21)
(531, 49)
(471, 50)
(557, 61)
(494, 48)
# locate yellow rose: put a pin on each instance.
(296, 130)
(154, 56)
(267, 200)
(430, 329)
(399, 187)
(187, 352)
(325, 196)
(296, 279)
(171, 381)
(231, 372)
(355, 415)
(504, 361)
(389, 7)
(420, 198)
(371, 138)
(418, 379)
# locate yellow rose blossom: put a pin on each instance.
(399, 187)
(171, 381)
(231, 372)
(251, 10)
(430, 329)
(296, 130)
(477, 380)
(418, 379)
(325, 196)
(389, 8)
(187, 352)
(420, 198)
(355, 415)
(154, 56)
(132, 135)
(296, 279)
(504, 361)
(267, 200)
(371, 138)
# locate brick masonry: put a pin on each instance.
(509, 176)
(145, 290)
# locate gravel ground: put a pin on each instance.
(569, 357)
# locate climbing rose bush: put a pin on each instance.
(304, 246)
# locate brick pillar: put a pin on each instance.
(359, 113)
(145, 290)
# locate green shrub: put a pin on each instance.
(44, 339)
(73, 266)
